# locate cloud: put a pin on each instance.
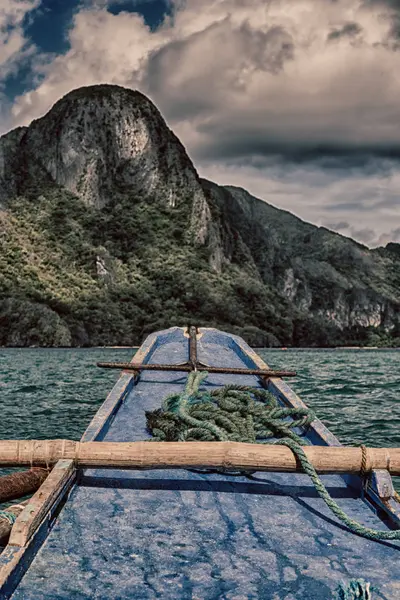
(391, 236)
(349, 29)
(128, 4)
(14, 47)
(254, 78)
(319, 99)
(339, 226)
(296, 100)
(104, 48)
(319, 197)
(364, 235)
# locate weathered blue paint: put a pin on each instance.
(181, 534)
(118, 394)
(104, 416)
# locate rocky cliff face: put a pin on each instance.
(9, 158)
(100, 140)
(105, 219)
(322, 273)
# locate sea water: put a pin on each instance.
(54, 393)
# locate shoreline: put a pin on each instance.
(330, 349)
(283, 349)
(110, 347)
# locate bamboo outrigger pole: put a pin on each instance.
(16, 485)
(167, 455)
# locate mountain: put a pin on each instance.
(107, 232)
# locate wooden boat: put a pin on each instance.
(187, 534)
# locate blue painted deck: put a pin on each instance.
(180, 535)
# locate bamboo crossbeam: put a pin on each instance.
(167, 455)
(186, 368)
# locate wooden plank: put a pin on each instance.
(41, 502)
(109, 407)
(25, 537)
(382, 493)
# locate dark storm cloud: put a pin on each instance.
(388, 202)
(265, 142)
(348, 30)
(353, 126)
(268, 50)
(188, 105)
(347, 206)
(298, 102)
(395, 4)
(362, 204)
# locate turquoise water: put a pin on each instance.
(53, 393)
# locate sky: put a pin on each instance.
(297, 101)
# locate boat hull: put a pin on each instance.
(185, 534)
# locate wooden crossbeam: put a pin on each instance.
(199, 367)
(167, 455)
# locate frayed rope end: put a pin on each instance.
(356, 589)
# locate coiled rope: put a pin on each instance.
(235, 413)
(8, 516)
(244, 414)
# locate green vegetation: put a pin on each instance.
(77, 275)
(150, 275)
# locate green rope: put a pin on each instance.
(308, 468)
(357, 589)
(243, 414)
(8, 516)
(228, 413)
